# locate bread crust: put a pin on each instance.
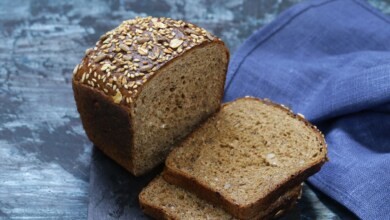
(157, 213)
(88, 99)
(98, 110)
(153, 211)
(287, 204)
(176, 177)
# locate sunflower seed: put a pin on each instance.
(142, 50)
(124, 47)
(88, 51)
(142, 40)
(175, 43)
(127, 57)
(75, 69)
(100, 57)
(145, 68)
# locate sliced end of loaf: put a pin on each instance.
(246, 155)
(185, 92)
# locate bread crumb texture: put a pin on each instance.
(177, 203)
(128, 56)
(248, 149)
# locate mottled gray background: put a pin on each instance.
(45, 157)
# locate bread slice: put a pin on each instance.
(246, 156)
(162, 200)
(147, 84)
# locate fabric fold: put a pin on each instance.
(330, 60)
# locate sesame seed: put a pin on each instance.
(105, 67)
(82, 78)
(88, 51)
(107, 41)
(143, 50)
(146, 68)
(159, 25)
(208, 35)
(100, 57)
(127, 57)
(75, 69)
(124, 47)
(142, 40)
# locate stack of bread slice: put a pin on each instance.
(248, 161)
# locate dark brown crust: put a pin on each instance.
(151, 210)
(280, 210)
(287, 204)
(118, 146)
(158, 213)
(176, 177)
(98, 111)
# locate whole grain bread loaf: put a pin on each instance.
(145, 85)
(246, 156)
(162, 200)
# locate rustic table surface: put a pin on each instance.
(48, 168)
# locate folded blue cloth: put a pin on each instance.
(330, 60)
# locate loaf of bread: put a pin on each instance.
(146, 85)
(162, 200)
(246, 156)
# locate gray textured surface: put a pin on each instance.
(45, 156)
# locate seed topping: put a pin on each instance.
(128, 56)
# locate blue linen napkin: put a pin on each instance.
(330, 60)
